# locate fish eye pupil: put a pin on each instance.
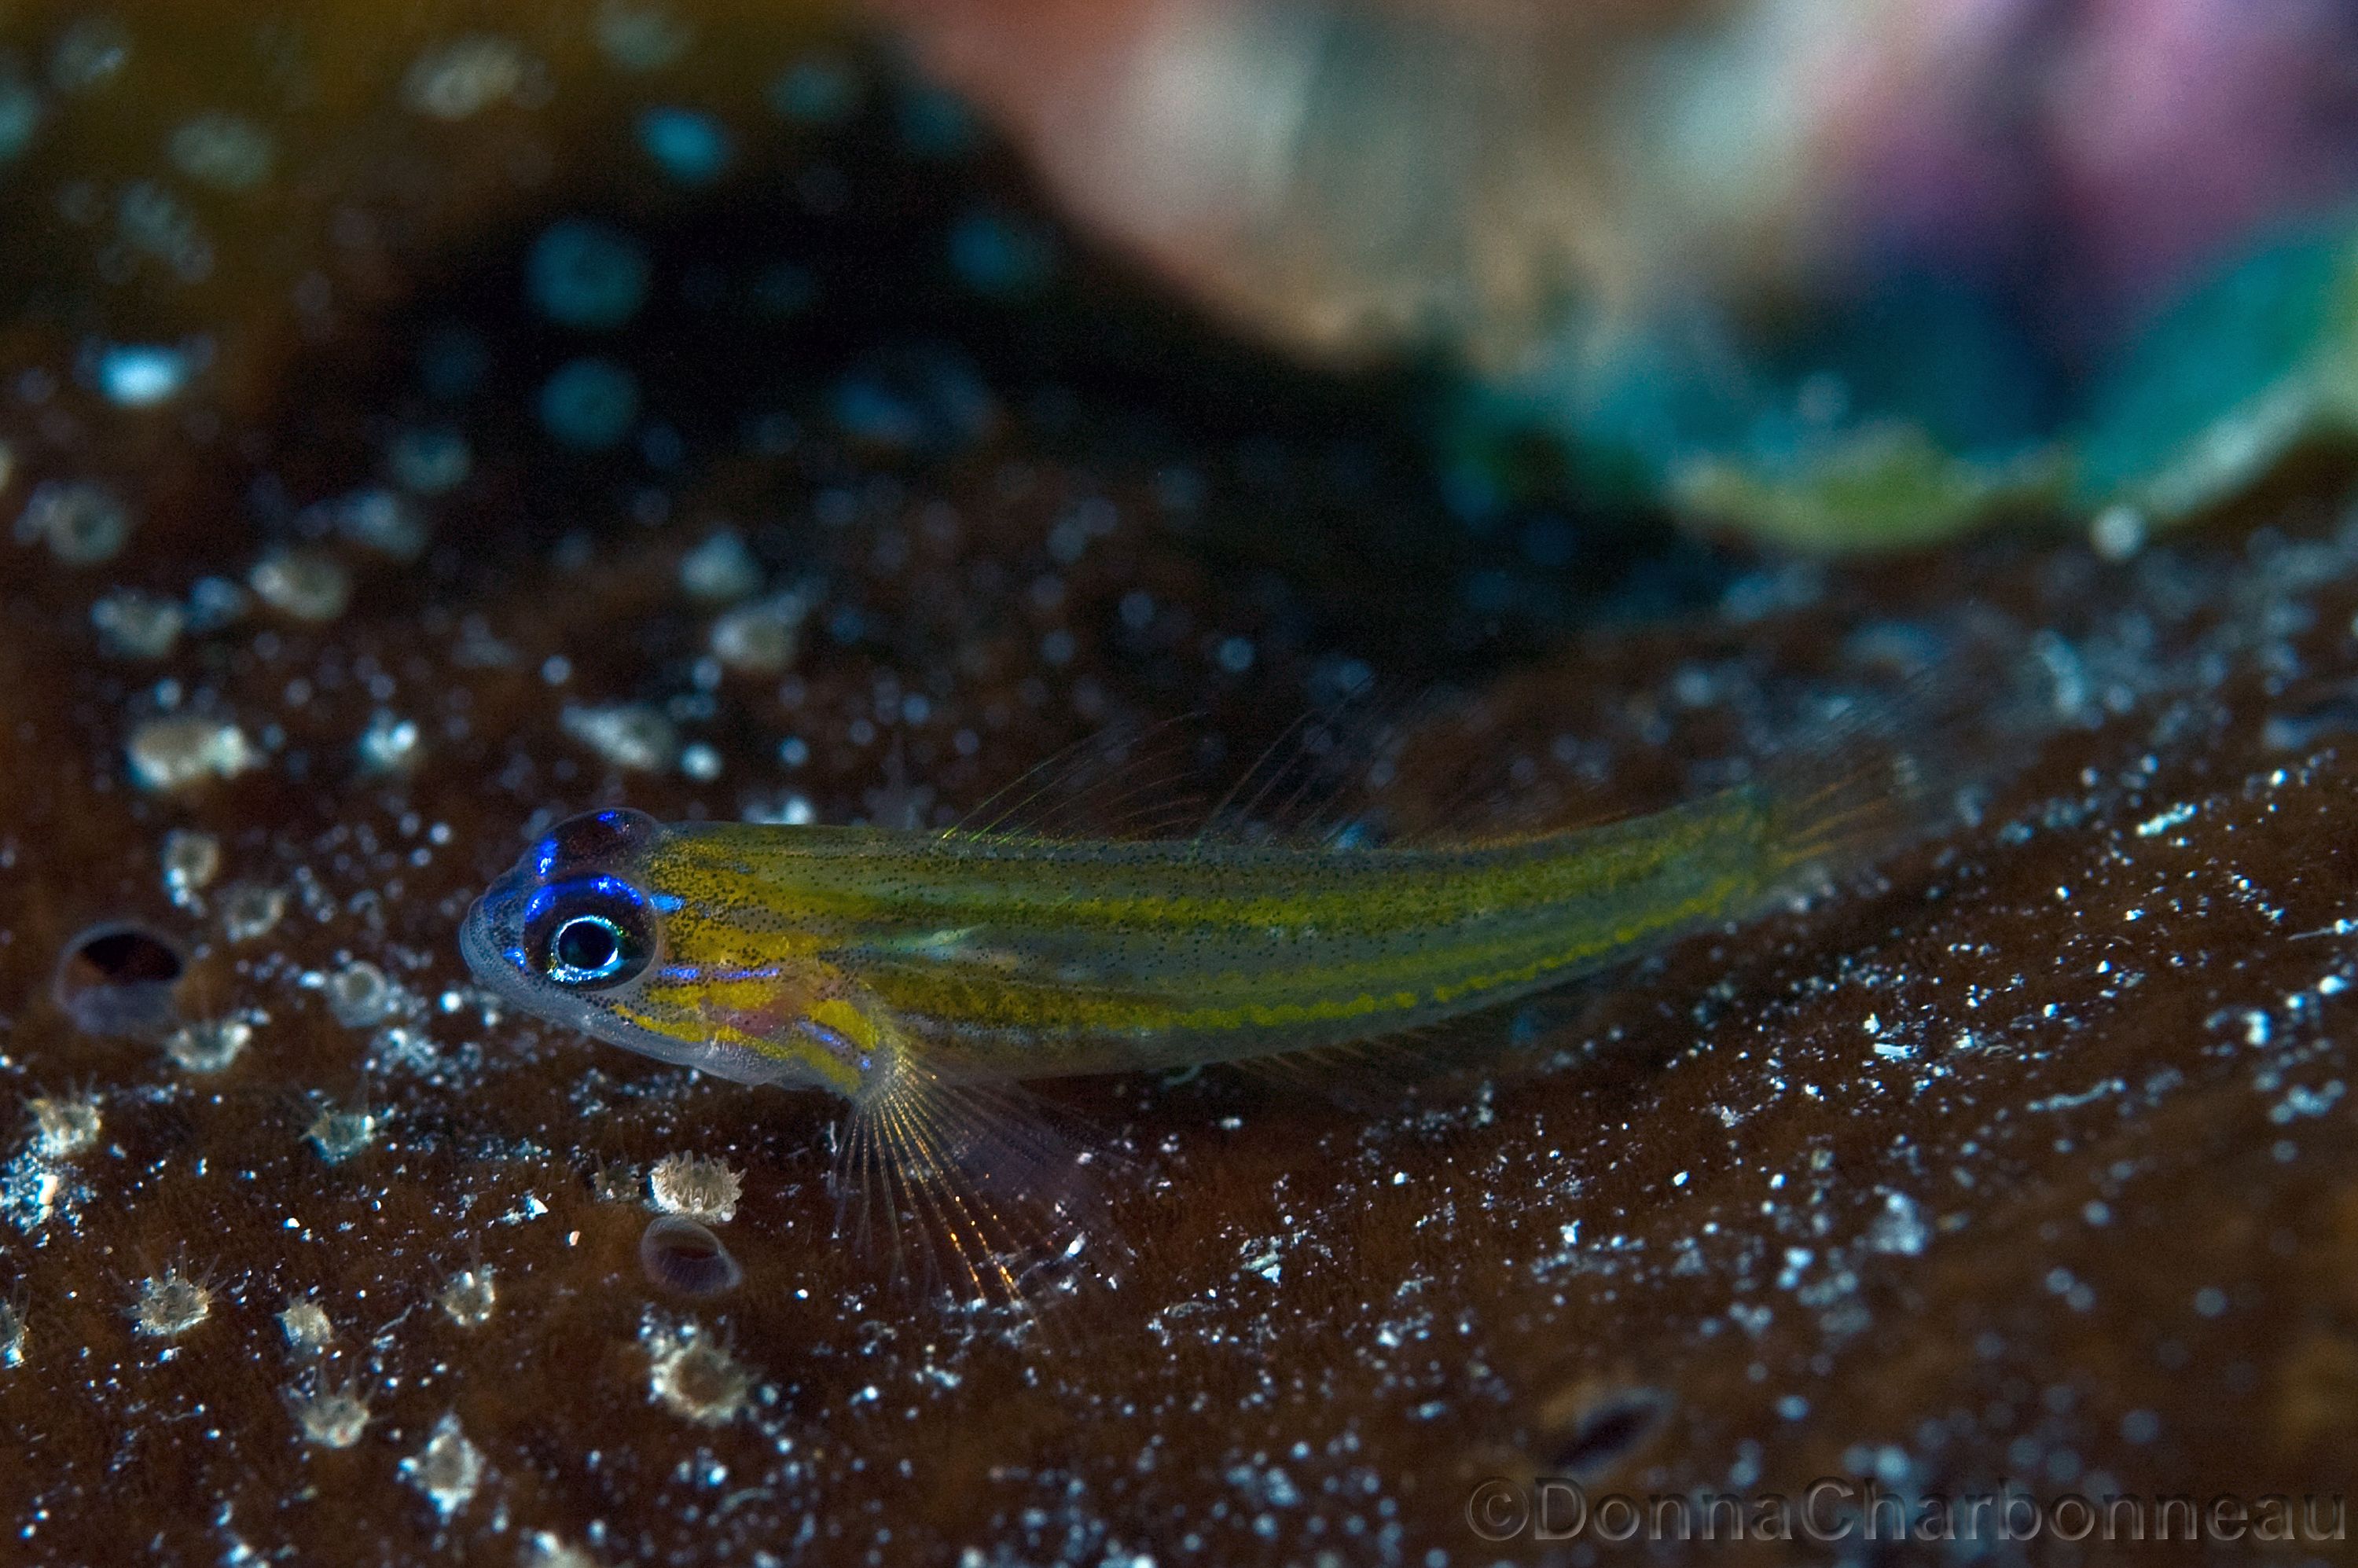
(589, 934)
(587, 947)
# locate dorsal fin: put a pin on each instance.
(1318, 781)
(1123, 782)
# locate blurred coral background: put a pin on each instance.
(1334, 171)
(1840, 272)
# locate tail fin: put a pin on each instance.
(1838, 814)
(1884, 775)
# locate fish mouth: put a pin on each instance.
(483, 941)
(472, 945)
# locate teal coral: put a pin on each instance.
(2205, 403)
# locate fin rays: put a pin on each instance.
(968, 1188)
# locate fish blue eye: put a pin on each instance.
(589, 935)
(586, 948)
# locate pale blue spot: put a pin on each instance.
(692, 147)
(20, 115)
(141, 375)
(820, 90)
(872, 412)
(999, 255)
(89, 52)
(226, 151)
(589, 404)
(935, 125)
(430, 461)
(921, 398)
(587, 275)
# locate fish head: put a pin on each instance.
(585, 931)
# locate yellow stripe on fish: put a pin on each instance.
(905, 971)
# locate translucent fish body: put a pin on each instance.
(920, 975)
(831, 955)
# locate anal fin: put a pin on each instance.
(1436, 1064)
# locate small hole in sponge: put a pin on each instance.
(1606, 1431)
(685, 1257)
(117, 979)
